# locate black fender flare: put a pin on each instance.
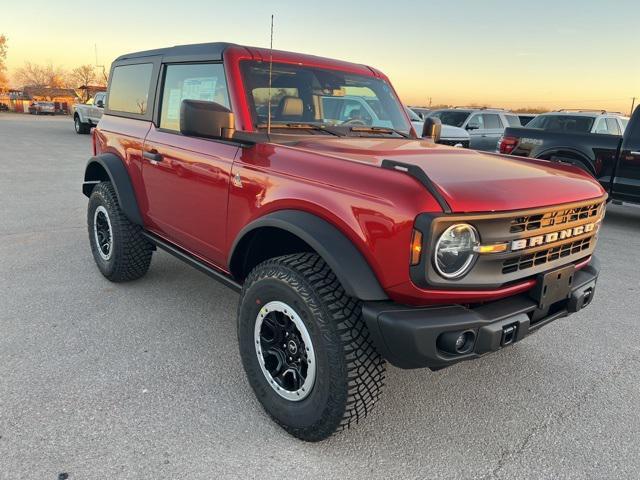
(119, 177)
(342, 256)
(583, 160)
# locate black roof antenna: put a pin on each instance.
(270, 70)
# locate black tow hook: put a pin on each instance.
(508, 334)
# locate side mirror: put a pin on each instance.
(100, 104)
(205, 119)
(432, 128)
(472, 127)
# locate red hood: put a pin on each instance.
(471, 181)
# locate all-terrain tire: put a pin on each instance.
(349, 371)
(129, 256)
(80, 127)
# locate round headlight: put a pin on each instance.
(454, 253)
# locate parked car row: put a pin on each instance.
(590, 140)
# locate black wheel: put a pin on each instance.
(81, 128)
(305, 348)
(118, 247)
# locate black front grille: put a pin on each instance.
(543, 256)
(554, 218)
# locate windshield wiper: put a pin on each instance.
(302, 126)
(389, 131)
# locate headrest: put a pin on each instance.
(291, 107)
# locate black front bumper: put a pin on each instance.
(410, 337)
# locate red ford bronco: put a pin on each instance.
(350, 239)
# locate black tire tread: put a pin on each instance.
(365, 368)
(133, 252)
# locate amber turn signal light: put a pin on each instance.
(496, 248)
(416, 247)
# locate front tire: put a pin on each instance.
(119, 249)
(80, 128)
(305, 349)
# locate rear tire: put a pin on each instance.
(80, 127)
(119, 249)
(308, 305)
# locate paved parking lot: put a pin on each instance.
(143, 380)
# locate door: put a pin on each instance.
(475, 127)
(626, 185)
(95, 111)
(493, 130)
(186, 179)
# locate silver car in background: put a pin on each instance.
(485, 125)
(454, 136)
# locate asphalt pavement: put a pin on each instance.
(143, 380)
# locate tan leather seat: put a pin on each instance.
(289, 109)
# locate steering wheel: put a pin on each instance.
(353, 121)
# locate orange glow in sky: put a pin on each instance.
(514, 54)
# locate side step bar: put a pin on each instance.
(190, 259)
(420, 175)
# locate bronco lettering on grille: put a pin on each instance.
(539, 240)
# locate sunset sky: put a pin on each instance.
(506, 53)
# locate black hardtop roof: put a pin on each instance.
(210, 50)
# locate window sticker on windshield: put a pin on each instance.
(173, 108)
(199, 89)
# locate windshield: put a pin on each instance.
(413, 116)
(320, 97)
(562, 123)
(455, 118)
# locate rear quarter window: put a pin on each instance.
(513, 121)
(129, 90)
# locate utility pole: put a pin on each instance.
(104, 73)
(429, 102)
(633, 104)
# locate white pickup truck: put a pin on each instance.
(87, 115)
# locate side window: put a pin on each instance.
(492, 121)
(203, 81)
(129, 90)
(624, 122)
(476, 122)
(601, 126)
(331, 108)
(612, 126)
(354, 111)
(513, 121)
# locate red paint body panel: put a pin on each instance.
(189, 198)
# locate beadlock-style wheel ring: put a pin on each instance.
(284, 350)
(103, 233)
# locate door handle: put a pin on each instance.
(153, 155)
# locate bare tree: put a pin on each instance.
(4, 80)
(42, 76)
(83, 75)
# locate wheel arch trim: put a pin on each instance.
(117, 172)
(579, 156)
(343, 257)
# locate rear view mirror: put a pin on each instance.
(100, 104)
(206, 119)
(432, 129)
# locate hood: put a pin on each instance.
(470, 181)
(451, 132)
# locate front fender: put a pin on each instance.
(346, 261)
